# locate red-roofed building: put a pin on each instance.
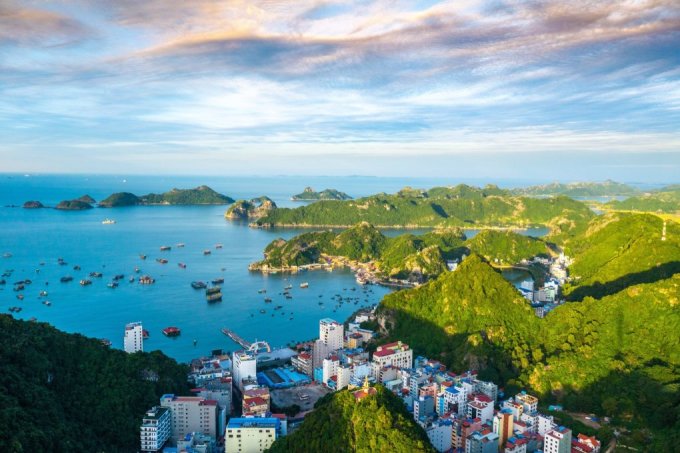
(585, 444)
(397, 355)
(191, 414)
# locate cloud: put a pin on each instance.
(39, 27)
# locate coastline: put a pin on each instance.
(398, 227)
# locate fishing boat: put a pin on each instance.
(6, 255)
(85, 282)
(180, 245)
(112, 285)
(182, 265)
(108, 222)
(143, 257)
(47, 303)
(213, 290)
(215, 297)
(118, 277)
(146, 280)
(198, 285)
(96, 274)
(162, 261)
(66, 279)
(43, 293)
(218, 281)
(261, 291)
(76, 268)
(207, 252)
(304, 285)
(218, 246)
(288, 287)
(171, 331)
(165, 248)
(20, 296)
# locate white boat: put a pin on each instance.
(304, 285)
(108, 222)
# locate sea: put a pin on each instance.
(37, 239)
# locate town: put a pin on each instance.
(245, 401)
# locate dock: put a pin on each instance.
(235, 337)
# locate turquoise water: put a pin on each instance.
(44, 235)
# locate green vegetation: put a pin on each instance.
(666, 200)
(73, 205)
(607, 188)
(618, 250)
(329, 194)
(87, 199)
(339, 423)
(64, 392)
(250, 209)
(197, 196)
(506, 247)
(33, 204)
(459, 206)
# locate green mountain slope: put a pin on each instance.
(339, 423)
(310, 194)
(579, 189)
(666, 200)
(461, 206)
(64, 392)
(506, 247)
(202, 195)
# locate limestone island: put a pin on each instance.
(73, 205)
(250, 209)
(87, 199)
(202, 195)
(33, 205)
(328, 194)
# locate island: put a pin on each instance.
(202, 195)
(665, 200)
(250, 209)
(33, 204)
(606, 188)
(87, 199)
(328, 194)
(73, 205)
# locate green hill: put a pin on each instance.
(310, 194)
(198, 196)
(667, 200)
(618, 250)
(506, 247)
(579, 189)
(250, 209)
(65, 392)
(73, 205)
(339, 423)
(459, 206)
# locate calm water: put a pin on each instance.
(44, 235)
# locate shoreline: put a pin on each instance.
(398, 227)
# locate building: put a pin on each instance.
(344, 376)
(423, 407)
(251, 434)
(503, 423)
(332, 334)
(483, 441)
(515, 444)
(440, 434)
(196, 443)
(585, 444)
(544, 424)
(529, 402)
(133, 340)
(396, 355)
(329, 368)
(256, 401)
(191, 414)
(244, 368)
(303, 363)
(557, 440)
(480, 406)
(156, 429)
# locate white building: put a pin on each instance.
(557, 440)
(440, 434)
(397, 355)
(155, 430)
(251, 434)
(344, 376)
(330, 368)
(544, 424)
(244, 366)
(191, 414)
(331, 333)
(133, 340)
(481, 407)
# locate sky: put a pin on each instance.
(540, 90)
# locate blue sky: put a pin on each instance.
(544, 90)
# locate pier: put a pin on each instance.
(257, 346)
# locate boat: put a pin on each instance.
(268, 299)
(27, 282)
(96, 274)
(76, 268)
(182, 265)
(218, 246)
(6, 255)
(143, 257)
(43, 293)
(207, 252)
(3, 282)
(47, 303)
(165, 248)
(162, 261)
(118, 277)
(213, 290)
(85, 282)
(288, 296)
(180, 245)
(171, 331)
(304, 285)
(112, 285)
(108, 222)
(261, 291)
(215, 297)
(131, 279)
(218, 281)
(278, 307)
(145, 334)
(198, 285)
(19, 287)
(15, 309)
(263, 311)
(288, 287)
(146, 280)
(20, 296)
(136, 270)
(66, 279)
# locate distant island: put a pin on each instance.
(328, 194)
(73, 205)
(202, 195)
(87, 199)
(606, 188)
(665, 200)
(33, 204)
(250, 209)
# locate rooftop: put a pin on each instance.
(253, 422)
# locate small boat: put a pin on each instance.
(288, 287)
(207, 252)
(171, 331)
(218, 246)
(19, 287)
(262, 291)
(268, 299)
(27, 282)
(85, 282)
(43, 293)
(195, 341)
(263, 311)
(213, 290)
(66, 279)
(146, 280)
(182, 265)
(215, 297)
(137, 270)
(108, 222)
(218, 281)
(118, 277)
(3, 282)
(131, 279)
(20, 296)
(15, 309)
(180, 245)
(6, 255)
(96, 274)
(278, 307)
(165, 248)
(304, 285)
(47, 303)
(288, 296)
(76, 268)
(145, 334)
(198, 285)
(112, 285)
(143, 257)
(162, 261)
